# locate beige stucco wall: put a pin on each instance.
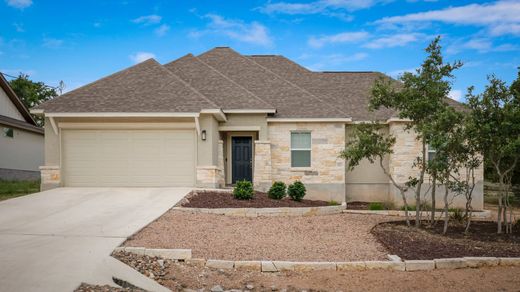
(367, 181)
(208, 150)
(22, 152)
(248, 120)
(325, 179)
(7, 108)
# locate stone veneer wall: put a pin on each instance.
(325, 179)
(406, 149)
(262, 166)
(50, 177)
(212, 176)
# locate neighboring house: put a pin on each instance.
(219, 117)
(21, 141)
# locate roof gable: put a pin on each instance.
(145, 87)
(12, 106)
(214, 85)
(289, 99)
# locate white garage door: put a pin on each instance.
(128, 157)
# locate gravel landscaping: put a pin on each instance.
(215, 199)
(339, 237)
(179, 276)
(428, 243)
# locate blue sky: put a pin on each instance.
(81, 41)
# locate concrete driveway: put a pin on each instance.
(54, 240)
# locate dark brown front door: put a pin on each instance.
(242, 161)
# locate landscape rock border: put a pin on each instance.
(476, 214)
(268, 212)
(394, 263)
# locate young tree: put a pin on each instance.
(368, 142)
(33, 93)
(421, 95)
(494, 123)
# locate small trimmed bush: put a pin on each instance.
(333, 203)
(296, 191)
(277, 190)
(375, 206)
(243, 190)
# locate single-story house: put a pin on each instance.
(216, 118)
(21, 140)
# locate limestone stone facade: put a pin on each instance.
(209, 176)
(325, 178)
(262, 166)
(50, 177)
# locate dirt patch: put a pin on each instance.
(178, 276)
(213, 200)
(339, 237)
(428, 243)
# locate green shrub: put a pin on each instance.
(277, 190)
(333, 203)
(374, 206)
(296, 191)
(410, 208)
(458, 215)
(243, 190)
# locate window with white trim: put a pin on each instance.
(431, 153)
(300, 149)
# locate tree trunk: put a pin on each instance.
(419, 186)
(432, 212)
(446, 208)
(401, 189)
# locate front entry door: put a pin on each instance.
(242, 158)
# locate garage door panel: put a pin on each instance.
(128, 157)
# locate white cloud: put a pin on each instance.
(253, 33)
(455, 94)
(316, 6)
(20, 4)
(162, 30)
(345, 37)
(397, 40)
(52, 43)
(148, 19)
(336, 59)
(501, 17)
(482, 45)
(18, 27)
(141, 56)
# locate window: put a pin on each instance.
(431, 153)
(300, 149)
(9, 132)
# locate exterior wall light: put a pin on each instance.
(203, 135)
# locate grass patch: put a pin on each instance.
(12, 189)
(375, 206)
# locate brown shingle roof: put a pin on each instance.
(290, 100)
(214, 85)
(145, 87)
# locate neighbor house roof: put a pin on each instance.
(29, 124)
(224, 79)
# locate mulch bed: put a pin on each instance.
(213, 200)
(428, 243)
(357, 205)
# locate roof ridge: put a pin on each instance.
(188, 85)
(284, 57)
(232, 81)
(178, 59)
(295, 85)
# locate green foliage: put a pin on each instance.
(367, 142)
(375, 206)
(277, 190)
(333, 203)
(458, 215)
(243, 190)
(410, 208)
(32, 93)
(296, 191)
